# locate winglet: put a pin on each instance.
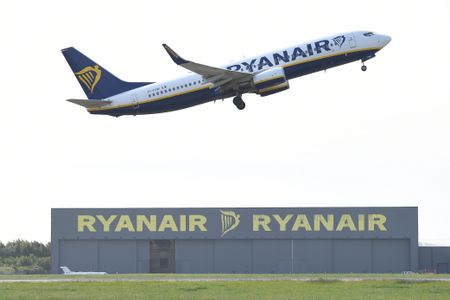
(175, 57)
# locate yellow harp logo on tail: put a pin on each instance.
(230, 220)
(89, 76)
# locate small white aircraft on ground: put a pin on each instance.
(67, 271)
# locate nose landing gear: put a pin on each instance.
(240, 104)
(364, 59)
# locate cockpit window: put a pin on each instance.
(368, 34)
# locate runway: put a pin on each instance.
(121, 278)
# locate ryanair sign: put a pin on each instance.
(230, 221)
(234, 223)
(140, 223)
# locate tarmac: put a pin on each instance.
(113, 277)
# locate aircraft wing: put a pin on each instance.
(218, 76)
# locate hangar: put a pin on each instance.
(237, 240)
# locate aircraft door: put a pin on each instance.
(351, 40)
(134, 101)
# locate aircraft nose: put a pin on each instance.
(384, 39)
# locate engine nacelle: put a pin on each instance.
(270, 82)
(274, 89)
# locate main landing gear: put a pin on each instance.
(240, 104)
(363, 67)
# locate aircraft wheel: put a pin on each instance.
(239, 103)
(363, 68)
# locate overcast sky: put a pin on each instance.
(340, 138)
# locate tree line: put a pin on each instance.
(24, 257)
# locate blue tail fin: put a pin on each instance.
(96, 81)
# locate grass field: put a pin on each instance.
(228, 287)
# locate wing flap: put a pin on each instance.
(90, 103)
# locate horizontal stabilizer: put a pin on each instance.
(90, 103)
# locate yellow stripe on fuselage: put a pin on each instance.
(327, 56)
(281, 85)
(207, 87)
(272, 78)
(149, 100)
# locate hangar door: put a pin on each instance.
(296, 256)
(162, 256)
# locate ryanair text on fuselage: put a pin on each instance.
(282, 57)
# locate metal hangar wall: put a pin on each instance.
(236, 240)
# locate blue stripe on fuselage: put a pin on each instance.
(305, 68)
(201, 96)
(176, 102)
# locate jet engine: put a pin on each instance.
(270, 82)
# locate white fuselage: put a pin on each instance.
(291, 59)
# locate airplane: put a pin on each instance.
(264, 75)
(67, 271)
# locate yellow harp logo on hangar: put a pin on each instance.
(230, 220)
(89, 76)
